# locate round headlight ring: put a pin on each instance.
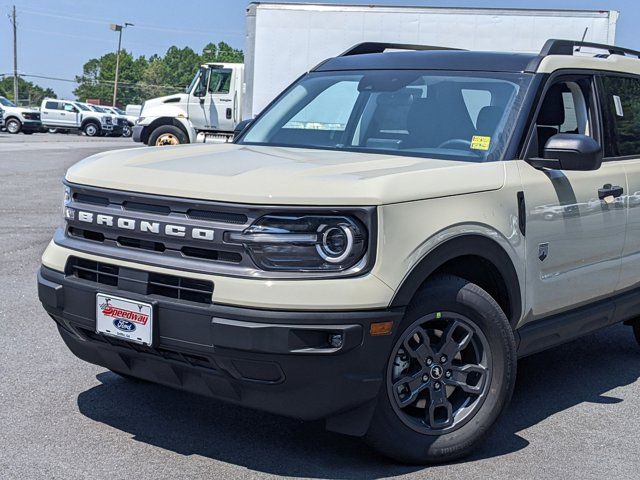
(324, 248)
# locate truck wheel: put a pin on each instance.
(91, 129)
(126, 131)
(13, 125)
(53, 130)
(167, 135)
(450, 374)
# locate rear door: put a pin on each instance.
(620, 99)
(574, 240)
(69, 115)
(50, 114)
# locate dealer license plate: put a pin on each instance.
(123, 318)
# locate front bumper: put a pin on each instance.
(277, 361)
(31, 125)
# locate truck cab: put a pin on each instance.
(209, 110)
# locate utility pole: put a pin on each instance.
(12, 18)
(118, 28)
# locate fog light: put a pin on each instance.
(335, 340)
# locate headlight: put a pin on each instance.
(305, 243)
(69, 213)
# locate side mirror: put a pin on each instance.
(570, 151)
(241, 126)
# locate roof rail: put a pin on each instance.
(568, 47)
(379, 47)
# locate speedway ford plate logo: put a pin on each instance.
(125, 319)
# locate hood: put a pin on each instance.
(283, 176)
(168, 100)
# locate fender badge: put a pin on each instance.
(543, 251)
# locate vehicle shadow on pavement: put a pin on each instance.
(548, 383)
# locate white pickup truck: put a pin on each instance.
(67, 115)
(19, 119)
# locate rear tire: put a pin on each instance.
(91, 129)
(438, 408)
(13, 126)
(167, 135)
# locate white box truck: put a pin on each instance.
(285, 40)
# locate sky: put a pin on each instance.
(56, 37)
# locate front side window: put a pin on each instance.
(566, 108)
(220, 81)
(69, 108)
(621, 111)
(452, 115)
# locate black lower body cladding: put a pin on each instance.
(307, 365)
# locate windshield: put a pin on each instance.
(6, 102)
(448, 115)
(118, 111)
(95, 108)
(196, 80)
(82, 107)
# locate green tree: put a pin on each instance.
(222, 52)
(141, 78)
(98, 77)
(30, 93)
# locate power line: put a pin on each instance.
(108, 82)
(144, 26)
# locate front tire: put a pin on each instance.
(13, 126)
(449, 376)
(91, 129)
(126, 131)
(167, 135)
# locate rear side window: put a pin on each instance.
(51, 106)
(621, 105)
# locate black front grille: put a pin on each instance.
(224, 217)
(150, 283)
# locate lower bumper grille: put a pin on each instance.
(146, 283)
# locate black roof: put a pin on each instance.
(432, 60)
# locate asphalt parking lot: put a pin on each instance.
(575, 413)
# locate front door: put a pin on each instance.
(620, 99)
(221, 99)
(574, 239)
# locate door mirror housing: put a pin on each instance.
(241, 127)
(570, 151)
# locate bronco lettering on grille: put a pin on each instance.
(156, 228)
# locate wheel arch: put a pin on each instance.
(475, 258)
(158, 122)
(12, 117)
(90, 120)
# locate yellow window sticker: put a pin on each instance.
(480, 143)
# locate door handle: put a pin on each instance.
(609, 190)
(63, 114)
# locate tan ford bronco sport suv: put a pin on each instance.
(376, 249)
